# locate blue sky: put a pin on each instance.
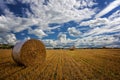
(61, 23)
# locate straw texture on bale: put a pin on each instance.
(29, 53)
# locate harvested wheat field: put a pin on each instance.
(80, 64)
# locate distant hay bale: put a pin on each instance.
(72, 48)
(29, 53)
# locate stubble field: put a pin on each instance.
(80, 64)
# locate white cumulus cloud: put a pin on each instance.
(8, 38)
(38, 32)
(95, 23)
(74, 32)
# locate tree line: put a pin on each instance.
(6, 46)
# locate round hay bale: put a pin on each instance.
(29, 53)
(72, 48)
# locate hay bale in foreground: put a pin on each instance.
(29, 53)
